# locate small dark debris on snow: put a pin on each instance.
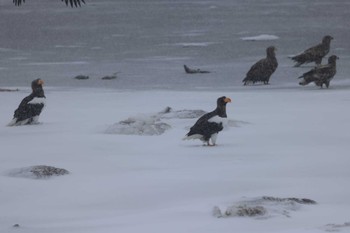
(195, 71)
(82, 77)
(110, 77)
(8, 90)
(16, 225)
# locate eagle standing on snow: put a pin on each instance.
(31, 106)
(72, 3)
(314, 54)
(321, 74)
(210, 124)
(263, 69)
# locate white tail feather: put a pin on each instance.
(194, 136)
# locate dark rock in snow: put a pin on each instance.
(244, 210)
(82, 77)
(142, 125)
(290, 199)
(110, 77)
(263, 207)
(38, 172)
(195, 71)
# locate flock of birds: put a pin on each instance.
(321, 75)
(210, 124)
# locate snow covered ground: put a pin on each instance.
(284, 143)
(283, 140)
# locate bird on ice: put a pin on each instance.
(31, 106)
(210, 124)
(315, 53)
(321, 74)
(262, 70)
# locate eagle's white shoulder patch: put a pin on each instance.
(218, 120)
(37, 100)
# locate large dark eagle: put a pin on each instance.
(321, 74)
(263, 69)
(210, 124)
(31, 106)
(314, 54)
(72, 3)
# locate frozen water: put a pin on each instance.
(260, 37)
(44, 39)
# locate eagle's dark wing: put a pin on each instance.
(72, 3)
(313, 54)
(318, 72)
(206, 129)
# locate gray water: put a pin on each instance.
(148, 42)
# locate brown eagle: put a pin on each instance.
(263, 69)
(210, 124)
(321, 74)
(72, 3)
(314, 54)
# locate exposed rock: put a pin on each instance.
(291, 199)
(82, 77)
(38, 172)
(244, 210)
(146, 125)
(110, 77)
(265, 206)
(195, 71)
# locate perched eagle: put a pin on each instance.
(321, 74)
(31, 106)
(72, 3)
(263, 69)
(210, 124)
(314, 54)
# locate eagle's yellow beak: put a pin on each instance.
(227, 100)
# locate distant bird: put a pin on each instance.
(314, 54)
(31, 106)
(321, 74)
(263, 69)
(210, 124)
(72, 3)
(195, 71)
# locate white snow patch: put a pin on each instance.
(195, 44)
(262, 37)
